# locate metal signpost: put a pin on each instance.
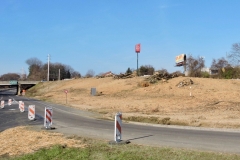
(137, 50)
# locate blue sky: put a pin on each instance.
(101, 34)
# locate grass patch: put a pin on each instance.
(34, 91)
(155, 120)
(103, 112)
(78, 91)
(101, 150)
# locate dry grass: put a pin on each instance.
(217, 100)
(20, 140)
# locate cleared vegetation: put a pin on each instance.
(204, 102)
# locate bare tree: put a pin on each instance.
(220, 63)
(163, 71)
(35, 68)
(179, 73)
(195, 66)
(75, 74)
(10, 76)
(34, 61)
(38, 70)
(234, 56)
(90, 73)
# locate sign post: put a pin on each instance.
(137, 50)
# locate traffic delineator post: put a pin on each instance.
(48, 117)
(21, 106)
(118, 127)
(9, 102)
(118, 131)
(23, 92)
(2, 104)
(31, 112)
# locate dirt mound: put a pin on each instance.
(185, 82)
(160, 77)
(123, 76)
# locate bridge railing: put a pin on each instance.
(18, 82)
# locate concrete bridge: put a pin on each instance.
(21, 85)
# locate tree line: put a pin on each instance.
(38, 71)
(57, 71)
(226, 67)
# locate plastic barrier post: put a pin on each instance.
(2, 104)
(48, 117)
(118, 127)
(21, 106)
(9, 102)
(31, 112)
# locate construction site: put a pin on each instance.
(162, 98)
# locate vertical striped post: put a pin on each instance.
(2, 104)
(31, 112)
(9, 102)
(48, 117)
(118, 127)
(21, 106)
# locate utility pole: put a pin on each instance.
(59, 75)
(48, 68)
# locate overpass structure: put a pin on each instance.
(21, 85)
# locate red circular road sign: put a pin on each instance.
(66, 91)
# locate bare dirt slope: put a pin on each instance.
(213, 102)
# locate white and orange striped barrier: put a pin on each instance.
(48, 117)
(31, 112)
(9, 102)
(2, 104)
(118, 127)
(21, 106)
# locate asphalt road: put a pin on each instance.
(71, 121)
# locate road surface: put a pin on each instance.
(72, 121)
